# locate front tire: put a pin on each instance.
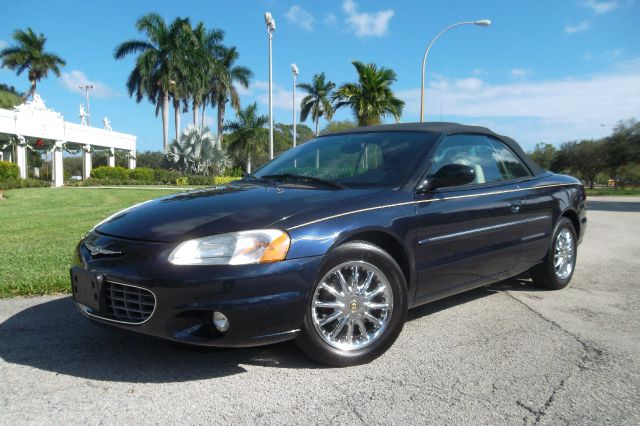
(556, 270)
(357, 307)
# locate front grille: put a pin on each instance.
(128, 303)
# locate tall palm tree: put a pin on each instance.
(29, 54)
(371, 97)
(223, 90)
(159, 64)
(247, 133)
(204, 54)
(317, 102)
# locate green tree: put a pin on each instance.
(543, 155)
(28, 54)
(197, 152)
(225, 74)
(371, 98)
(585, 158)
(248, 139)
(159, 63)
(339, 126)
(317, 102)
(150, 159)
(622, 149)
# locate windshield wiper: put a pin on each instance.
(294, 177)
(248, 177)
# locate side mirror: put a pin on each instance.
(449, 175)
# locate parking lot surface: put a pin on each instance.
(509, 353)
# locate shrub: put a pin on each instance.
(106, 172)
(8, 171)
(23, 183)
(142, 173)
(222, 180)
(182, 181)
(166, 177)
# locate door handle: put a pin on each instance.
(515, 206)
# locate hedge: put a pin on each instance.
(23, 183)
(9, 171)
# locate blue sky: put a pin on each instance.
(545, 71)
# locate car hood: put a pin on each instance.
(200, 213)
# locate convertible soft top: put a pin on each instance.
(450, 129)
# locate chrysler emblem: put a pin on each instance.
(97, 250)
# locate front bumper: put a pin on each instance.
(264, 303)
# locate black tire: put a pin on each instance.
(544, 275)
(321, 351)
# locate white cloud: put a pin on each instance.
(615, 52)
(533, 111)
(366, 24)
(3, 44)
(600, 7)
(331, 19)
(470, 84)
(578, 28)
(74, 79)
(260, 90)
(300, 17)
(520, 73)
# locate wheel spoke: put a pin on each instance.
(334, 316)
(366, 284)
(339, 327)
(328, 305)
(343, 283)
(374, 293)
(331, 290)
(350, 332)
(373, 306)
(354, 278)
(363, 330)
(373, 319)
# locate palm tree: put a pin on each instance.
(226, 74)
(29, 54)
(247, 133)
(159, 65)
(371, 97)
(317, 100)
(204, 55)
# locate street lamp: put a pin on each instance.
(294, 72)
(86, 89)
(481, 23)
(271, 27)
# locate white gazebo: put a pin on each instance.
(35, 121)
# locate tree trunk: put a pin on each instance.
(317, 120)
(195, 113)
(165, 120)
(32, 90)
(176, 112)
(204, 105)
(249, 163)
(221, 107)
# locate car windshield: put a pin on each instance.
(353, 160)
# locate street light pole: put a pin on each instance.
(86, 89)
(271, 27)
(294, 72)
(481, 23)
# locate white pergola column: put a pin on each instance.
(58, 170)
(21, 160)
(112, 157)
(132, 159)
(86, 162)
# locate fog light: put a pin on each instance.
(220, 321)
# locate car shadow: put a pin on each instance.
(613, 206)
(53, 336)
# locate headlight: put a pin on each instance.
(236, 248)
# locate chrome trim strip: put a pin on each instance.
(534, 236)
(455, 197)
(483, 229)
(283, 333)
(85, 309)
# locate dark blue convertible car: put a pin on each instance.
(331, 242)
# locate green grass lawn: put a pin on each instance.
(610, 191)
(39, 228)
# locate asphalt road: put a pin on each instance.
(508, 354)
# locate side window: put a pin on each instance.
(510, 162)
(491, 160)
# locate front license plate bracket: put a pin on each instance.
(87, 287)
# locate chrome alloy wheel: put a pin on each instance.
(564, 252)
(352, 305)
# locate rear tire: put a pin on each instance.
(556, 270)
(364, 290)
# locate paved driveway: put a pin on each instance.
(506, 354)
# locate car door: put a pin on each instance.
(467, 233)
